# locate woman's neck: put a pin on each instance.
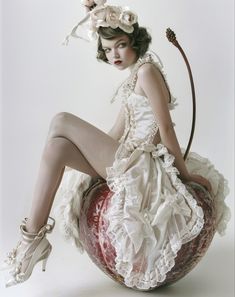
(132, 66)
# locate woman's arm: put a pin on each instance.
(153, 85)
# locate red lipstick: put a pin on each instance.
(117, 62)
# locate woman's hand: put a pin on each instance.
(200, 180)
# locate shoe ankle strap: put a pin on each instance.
(50, 227)
(47, 228)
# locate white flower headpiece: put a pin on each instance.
(104, 15)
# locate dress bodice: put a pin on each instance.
(140, 123)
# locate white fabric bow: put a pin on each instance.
(104, 15)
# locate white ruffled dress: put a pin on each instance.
(151, 212)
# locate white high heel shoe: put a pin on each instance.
(10, 260)
(32, 248)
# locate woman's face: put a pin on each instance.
(119, 52)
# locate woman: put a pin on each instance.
(151, 214)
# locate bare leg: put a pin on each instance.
(71, 142)
(59, 152)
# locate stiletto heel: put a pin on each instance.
(23, 259)
(44, 261)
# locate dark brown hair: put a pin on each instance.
(139, 40)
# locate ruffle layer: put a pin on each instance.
(147, 239)
(144, 253)
(197, 164)
(69, 195)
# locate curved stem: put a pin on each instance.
(172, 38)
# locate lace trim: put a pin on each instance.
(69, 195)
(118, 183)
(127, 87)
(167, 163)
(219, 185)
(74, 184)
(223, 211)
(153, 132)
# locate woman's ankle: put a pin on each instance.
(31, 227)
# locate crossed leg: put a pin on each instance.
(71, 142)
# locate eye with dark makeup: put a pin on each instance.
(122, 44)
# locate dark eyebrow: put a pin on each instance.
(115, 42)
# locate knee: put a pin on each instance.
(58, 124)
(56, 148)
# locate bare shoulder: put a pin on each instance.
(147, 73)
(148, 70)
(151, 80)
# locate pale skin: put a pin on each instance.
(70, 141)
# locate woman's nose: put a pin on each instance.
(115, 53)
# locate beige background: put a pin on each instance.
(40, 78)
